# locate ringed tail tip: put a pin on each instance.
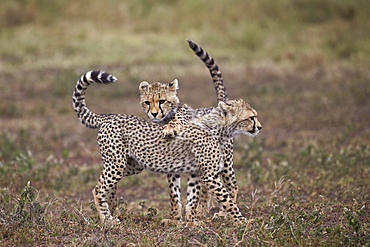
(102, 76)
(191, 43)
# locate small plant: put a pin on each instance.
(27, 208)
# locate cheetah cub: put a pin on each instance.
(161, 104)
(129, 144)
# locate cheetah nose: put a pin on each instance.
(154, 114)
(259, 127)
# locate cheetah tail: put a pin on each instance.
(87, 117)
(215, 72)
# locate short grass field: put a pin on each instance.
(304, 65)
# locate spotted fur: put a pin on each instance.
(129, 144)
(161, 104)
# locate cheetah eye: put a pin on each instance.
(147, 102)
(251, 118)
(161, 102)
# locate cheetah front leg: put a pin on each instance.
(175, 193)
(192, 201)
(228, 174)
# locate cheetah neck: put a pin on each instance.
(215, 123)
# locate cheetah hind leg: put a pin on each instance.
(232, 188)
(104, 193)
(105, 197)
(228, 176)
(113, 200)
(222, 212)
(103, 217)
(220, 193)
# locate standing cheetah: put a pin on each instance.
(129, 144)
(161, 104)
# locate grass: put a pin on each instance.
(302, 64)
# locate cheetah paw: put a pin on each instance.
(243, 221)
(219, 214)
(167, 222)
(202, 210)
(112, 221)
(195, 224)
(170, 131)
(248, 221)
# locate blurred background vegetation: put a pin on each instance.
(303, 64)
(41, 33)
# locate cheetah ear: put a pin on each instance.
(173, 85)
(223, 106)
(143, 86)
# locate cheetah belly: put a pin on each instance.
(172, 167)
(168, 162)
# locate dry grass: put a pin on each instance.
(302, 64)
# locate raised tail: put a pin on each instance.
(87, 117)
(218, 81)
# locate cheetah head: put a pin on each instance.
(241, 117)
(159, 100)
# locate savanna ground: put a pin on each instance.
(304, 65)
